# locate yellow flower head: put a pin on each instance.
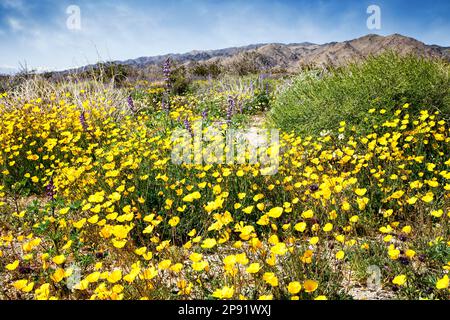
(310, 285)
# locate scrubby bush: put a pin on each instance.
(205, 70)
(247, 63)
(107, 72)
(318, 100)
(179, 80)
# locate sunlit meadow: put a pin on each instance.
(93, 207)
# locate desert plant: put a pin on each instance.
(318, 100)
(206, 70)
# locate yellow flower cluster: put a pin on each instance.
(114, 218)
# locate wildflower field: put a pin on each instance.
(92, 205)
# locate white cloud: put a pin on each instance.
(15, 24)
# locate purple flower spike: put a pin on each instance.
(83, 121)
(131, 104)
(188, 126)
(231, 107)
(50, 190)
(167, 73)
(165, 105)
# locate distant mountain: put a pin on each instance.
(291, 56)
(193, 56)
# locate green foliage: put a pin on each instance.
(106, 72)
(247, 63)
(260, 102)
(319, 100)
(180, 81)
(206, 70)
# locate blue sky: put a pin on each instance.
(35, 31)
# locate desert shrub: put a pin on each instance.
(205, 70)
(260, 102)
(5, 83)
(318, 100)
(107, 72)
(247, 63)
(179, 80)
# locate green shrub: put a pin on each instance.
(319, 100)
(206, 70)
(180, 81)
(108, 71)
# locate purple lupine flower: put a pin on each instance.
(204, 114)
(131, 104)
(165, 104)
(50, 190)
(167, 73)
(83, 121)
(25, 270)
(188, 126)
(230, 109)
(403, 260)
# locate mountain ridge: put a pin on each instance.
(291, 56)
(294, 55)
